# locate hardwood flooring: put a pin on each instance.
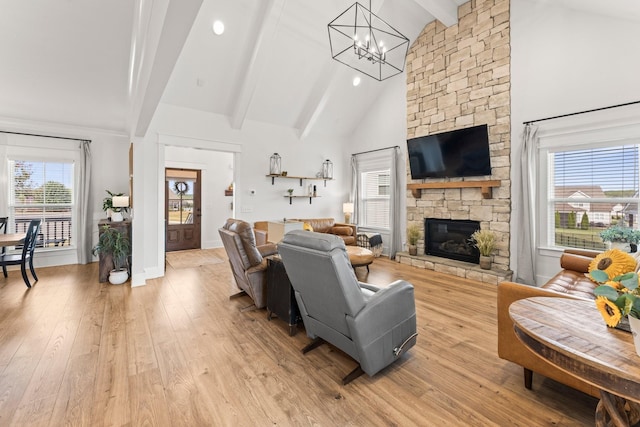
(178, 352)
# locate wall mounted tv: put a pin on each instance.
(458, 153)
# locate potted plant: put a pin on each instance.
(115, 244)
(107, 204)
(413, 235)
(485, 241)
(290, 191)
(620, 237)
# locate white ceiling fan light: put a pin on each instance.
(218, 27)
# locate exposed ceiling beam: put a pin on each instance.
(316, 101)
(445, 11)
(265, 26)
(171, 23)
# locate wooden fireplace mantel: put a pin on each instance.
(485, 186)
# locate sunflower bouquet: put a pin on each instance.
(618, 294)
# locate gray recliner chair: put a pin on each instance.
(247, 260)
(375, 326)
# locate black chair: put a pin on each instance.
(4, 225)
(27, 253)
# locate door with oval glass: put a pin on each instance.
(182, 209)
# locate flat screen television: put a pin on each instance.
(458, 153)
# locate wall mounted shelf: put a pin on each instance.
(300, 178)
(300, 197)
(485, 186)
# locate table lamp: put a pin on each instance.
(118, 203)
(347, 208)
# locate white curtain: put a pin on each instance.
(397, 169)
(526, 217)
(353, 196)
(84, 213)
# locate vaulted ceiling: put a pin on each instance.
(106, 64)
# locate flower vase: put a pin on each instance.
(623, 325)
(623, 246)
(485, 262)
(635, 331)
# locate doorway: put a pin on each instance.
(182, 209)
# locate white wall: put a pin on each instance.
(252, 145)
(565, 61)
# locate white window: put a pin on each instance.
(375, 198)
(40, 189)
(590, 180)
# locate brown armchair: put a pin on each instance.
(247, 260)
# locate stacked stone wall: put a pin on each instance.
(459, 77)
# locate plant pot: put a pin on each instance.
(117, 217)
(623, 246)
(118, 277)
(485, 262)
(635, 330)
(413, 250)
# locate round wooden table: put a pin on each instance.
(572, 335)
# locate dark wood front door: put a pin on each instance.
(182, 209)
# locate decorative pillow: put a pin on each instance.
(307, 226)
(342, 230)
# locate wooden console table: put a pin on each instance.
(572, 335)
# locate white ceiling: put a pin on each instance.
(73, 61)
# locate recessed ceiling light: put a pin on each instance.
(218, 27)
(356, 80)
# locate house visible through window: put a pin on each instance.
(375, 198)
(589, 190)
(42, 190)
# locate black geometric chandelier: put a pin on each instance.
(363, 41)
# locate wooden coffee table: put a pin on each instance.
(572, 335)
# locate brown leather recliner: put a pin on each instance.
(247, 260)
(570, 282)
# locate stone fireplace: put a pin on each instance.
(450, 239)
(458, 77)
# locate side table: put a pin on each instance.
(281, 299)
(372, 241)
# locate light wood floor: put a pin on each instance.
(178, 352)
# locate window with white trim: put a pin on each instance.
(43, 190)
(587, 188)
(375, 198)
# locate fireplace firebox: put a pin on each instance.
(450, 239)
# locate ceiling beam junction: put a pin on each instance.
(260, 42)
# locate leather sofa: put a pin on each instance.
(570, 282)
(247, 259)
(347, 232)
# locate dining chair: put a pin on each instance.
(26, 255)
(4, 225)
